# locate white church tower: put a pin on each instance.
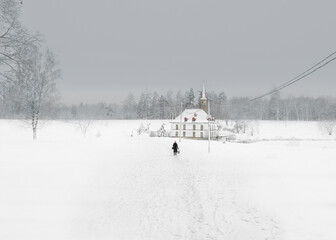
(204, 100)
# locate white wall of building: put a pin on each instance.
(193, 130)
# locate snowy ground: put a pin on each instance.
(109, 185)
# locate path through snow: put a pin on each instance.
(162, 196)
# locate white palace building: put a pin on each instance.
(195, 123)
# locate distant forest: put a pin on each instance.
(151, 105)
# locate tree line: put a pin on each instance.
(152, 105)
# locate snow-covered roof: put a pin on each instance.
(199, 115)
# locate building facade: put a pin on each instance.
(195, 123)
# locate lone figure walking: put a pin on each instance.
(175, 148)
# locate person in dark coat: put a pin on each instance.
(175, 148)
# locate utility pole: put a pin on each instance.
(180, 122)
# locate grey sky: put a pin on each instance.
(108, 48)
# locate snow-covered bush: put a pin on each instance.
(160, 133)
(253, 127)
(143, 128)
(328, 126)
(84, 125)
(240, 126)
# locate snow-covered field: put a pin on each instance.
(109, 185)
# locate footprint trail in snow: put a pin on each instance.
(175, 198)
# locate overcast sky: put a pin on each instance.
(108, 48)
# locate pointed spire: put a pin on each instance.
(203, 97)
(204, 100)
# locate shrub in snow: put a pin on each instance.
(143, 128)
(240, 125)
(328, 126)
(152, 134)
(253, 126)
(84, 125)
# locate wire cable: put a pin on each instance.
(300, 76)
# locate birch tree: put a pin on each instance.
(13, 36)
(35, 81)
(14, 39)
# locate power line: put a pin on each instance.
(307, 70)
(308, 73)
(300, 76)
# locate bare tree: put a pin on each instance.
(328, 126)
(35, 83)
(84, 125)
(13, 41)
(274, 106)
(9, 32)
(240, 125)
(130, 107)
(13, 36)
